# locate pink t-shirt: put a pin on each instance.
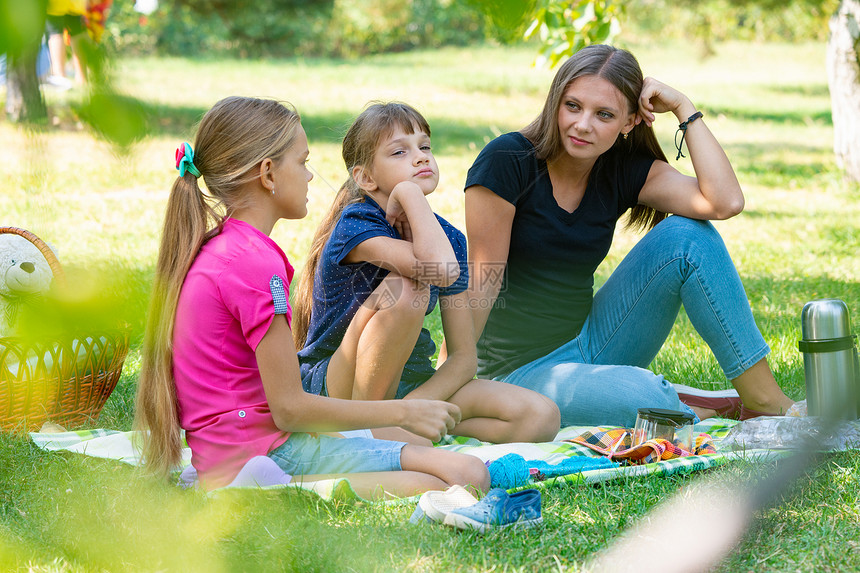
(236, 285)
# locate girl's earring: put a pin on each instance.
(624, 135)
(273, 188)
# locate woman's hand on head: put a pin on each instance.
(657, 97)
(431, 419)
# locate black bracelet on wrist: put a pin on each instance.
(682, 129)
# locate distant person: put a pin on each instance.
(379, 262)
(218, 354)
(43, 63)
(543, 202)
(67, 17)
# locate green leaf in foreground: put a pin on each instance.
(118, 118)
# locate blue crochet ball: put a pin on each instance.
(509, 471)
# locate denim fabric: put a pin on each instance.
(308, 454)
(599, 377)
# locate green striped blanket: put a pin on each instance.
(120, 446)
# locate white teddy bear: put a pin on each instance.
(24, 275)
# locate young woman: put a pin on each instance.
(218, 358)
(543, 203)
(379, 262)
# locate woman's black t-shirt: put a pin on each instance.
(548, 281)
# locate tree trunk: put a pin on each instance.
(24, 100)
(843, 74)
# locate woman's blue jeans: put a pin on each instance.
(599, 377)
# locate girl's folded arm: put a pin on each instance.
(429, 241)
(428, 257)
(398, 256)
(295, 410)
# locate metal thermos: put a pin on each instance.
(829, 360)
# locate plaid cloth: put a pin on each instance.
(562, 447)
(617, 444)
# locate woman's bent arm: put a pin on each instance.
(489, 220)
(715, 192)
(293, 409)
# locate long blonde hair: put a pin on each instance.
(233, 138)
(359, 146)
(620, 68)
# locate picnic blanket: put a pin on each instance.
(120, 446)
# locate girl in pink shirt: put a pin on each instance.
(218, 358)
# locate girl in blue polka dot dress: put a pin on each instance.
(380, 261)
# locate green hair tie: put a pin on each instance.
(185, 160)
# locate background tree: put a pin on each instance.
(289, 29)
(253, 25)
(843, 75)
(119, 119)
(565, 27)
(259, 25)
(21, 27)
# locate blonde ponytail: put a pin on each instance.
(233, 138)
(186, 224)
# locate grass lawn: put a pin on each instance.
(797, 240)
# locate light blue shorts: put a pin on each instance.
(306, 454)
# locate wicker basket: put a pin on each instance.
(65, 380)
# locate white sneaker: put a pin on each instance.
(436, 505)
(59, 82)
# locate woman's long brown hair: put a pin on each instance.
(620, 68)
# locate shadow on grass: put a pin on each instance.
(780, 300)
(767, 165)
(806, 90)
(820, 116)
(448, 136)
(180, 122)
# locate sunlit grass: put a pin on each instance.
(797, 240)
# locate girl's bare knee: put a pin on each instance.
(539, 419)
(414, 298)
(550, 415)
(473, 473)
(451, 467)
(401, 295)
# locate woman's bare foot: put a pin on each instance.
(760, 392)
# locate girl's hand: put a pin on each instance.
(402, 226)
(657, 97)
(431, 419)
(395, 210)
